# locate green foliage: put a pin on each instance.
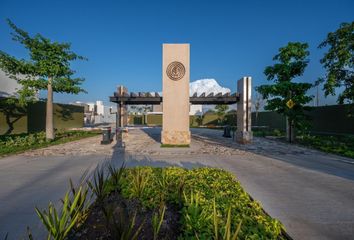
(82, 203)
(122, 227)
(221, 111)
(339, 62)
(139, 182)
(99, 184)
(116, 175)
(10, 144)
(175, 145)
(199, 187)
(49, 63)
(157, 220)
(342, 145)
(291, 63)
(195, 219)
(228, 235)
(59, 224)
(267, 132)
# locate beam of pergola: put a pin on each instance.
(150, 99)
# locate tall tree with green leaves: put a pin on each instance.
(291, 62)
(339, 63)
(47, 68)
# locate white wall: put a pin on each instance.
(8, 86)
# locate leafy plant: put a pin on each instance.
(291, 63)
(47, 69)
(60, 224)
(116, 175)
(227, 233)
(139, 182)
(205, 185)
(195, 217)
(82, 203)
(157, 220)
(220, 112)
(98, 184)
(123, 227)
(338, 62)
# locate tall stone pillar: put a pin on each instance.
(244, 132)
(175, 90)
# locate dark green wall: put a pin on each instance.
(33, 120)
(154, 119)
(328, 119)
(325, 119)
(136, 119)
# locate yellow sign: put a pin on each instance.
(290, 104)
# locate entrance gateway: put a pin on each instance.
(176, 100)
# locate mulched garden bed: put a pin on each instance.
(95, 224)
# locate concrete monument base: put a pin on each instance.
(176, 137)
(244, 137)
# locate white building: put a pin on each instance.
(8, 86)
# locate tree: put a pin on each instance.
(47, 69)
(291, 63)
(339, 62)
(221, 111)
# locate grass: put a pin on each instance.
(342, 144)
(175, 145)
(13, 144)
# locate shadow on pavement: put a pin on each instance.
(296, 155)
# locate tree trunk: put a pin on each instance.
(49, 125)
(290, 130)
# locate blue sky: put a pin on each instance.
(123, 39)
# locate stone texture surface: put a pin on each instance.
(87, 146)
(175, 95)
(176, 137)
(244, 137)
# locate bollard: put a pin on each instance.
(106, 135)
(227, 131)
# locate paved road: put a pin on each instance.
(29, 180)
(312, 193)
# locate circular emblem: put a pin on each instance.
(175, 71)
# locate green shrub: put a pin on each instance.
(212, 203)
(21, 142)
(201, 187)
(342, 145)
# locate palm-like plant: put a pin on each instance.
(60, 224)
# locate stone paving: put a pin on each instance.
(83, 147)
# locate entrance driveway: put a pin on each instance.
(310, 192)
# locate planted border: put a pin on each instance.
(211, 205)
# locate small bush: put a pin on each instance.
(21, 142)
(342, 145)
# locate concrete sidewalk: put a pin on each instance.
(38, 177)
